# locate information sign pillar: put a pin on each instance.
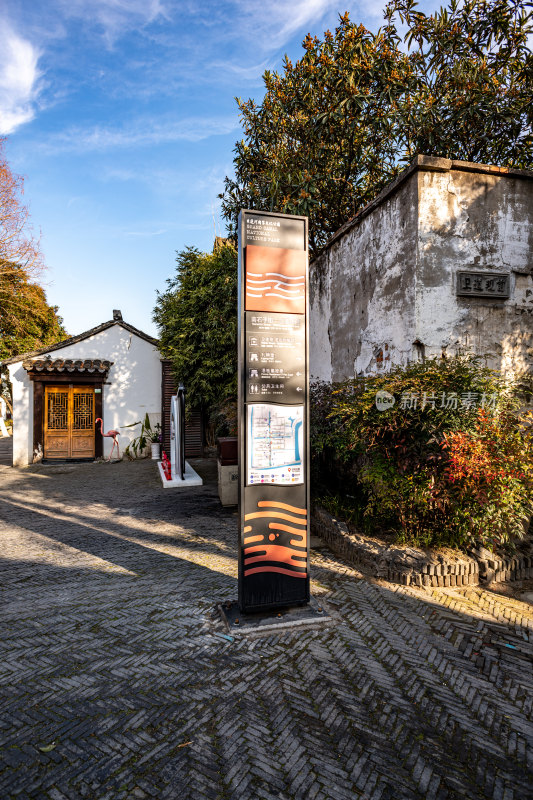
(273, 411)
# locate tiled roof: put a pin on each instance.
(67, 365)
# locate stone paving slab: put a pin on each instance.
(115, 683)
(6, 451)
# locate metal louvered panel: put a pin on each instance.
(167, 390)
(194, 435)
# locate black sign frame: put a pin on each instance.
(181, 431)
(275, 515)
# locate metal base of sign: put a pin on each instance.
(312, 613)
(191, 478)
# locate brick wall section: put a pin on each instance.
(499, 570)
(410, 566)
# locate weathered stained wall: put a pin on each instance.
(384, 291)
(480, 221)
(362, 291)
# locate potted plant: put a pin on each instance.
(225, 424)
(154, 437)
(148, 436)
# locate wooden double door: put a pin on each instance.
(69, 415)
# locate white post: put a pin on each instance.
(3, 429)
(173, 433)
(176, 434)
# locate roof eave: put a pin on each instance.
(79, 338)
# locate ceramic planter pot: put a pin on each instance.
(228, 450)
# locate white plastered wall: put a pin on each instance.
(361, 316)
(22, 415)
(133, 388)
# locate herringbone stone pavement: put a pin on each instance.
(117, 684)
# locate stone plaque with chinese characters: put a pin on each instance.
(483, 284)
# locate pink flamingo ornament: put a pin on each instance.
(112, 434)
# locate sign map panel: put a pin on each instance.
(275, 444)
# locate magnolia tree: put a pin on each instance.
(335, 127)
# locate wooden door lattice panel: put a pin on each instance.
(57, 411)
(82, 435)
(83, 417)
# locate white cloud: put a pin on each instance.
(146, 233)
(114, 17)
(372, 10)
(19, 80)
(140, 133)
(251, 73)
(272, 27)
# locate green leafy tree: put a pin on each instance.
(197, 321)
(335, 127)
(27, 322)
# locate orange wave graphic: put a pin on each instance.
(286, 506)
(302, 541)
(250, 539)
(287, 561)
(275, 279)
(274, 552)
(277, 514)
(275, 569)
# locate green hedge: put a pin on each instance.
(447, 458)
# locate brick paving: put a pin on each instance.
(116, 683)
(6, 451)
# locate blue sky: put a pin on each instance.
(121, 116)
